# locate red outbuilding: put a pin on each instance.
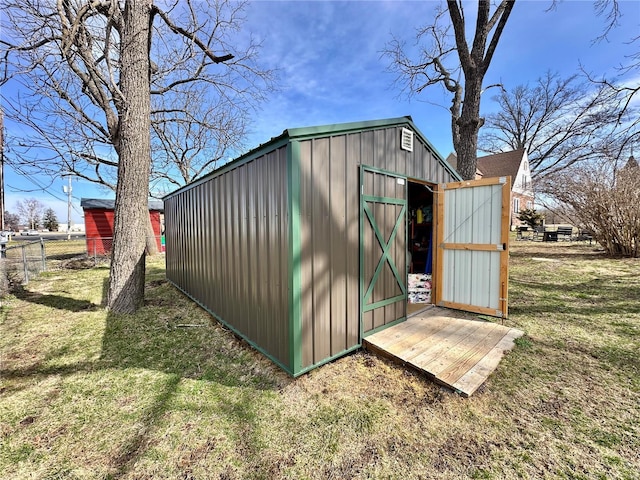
(98, 221)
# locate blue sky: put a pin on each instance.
(331, 69)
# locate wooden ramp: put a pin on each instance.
(455, 352)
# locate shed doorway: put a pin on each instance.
(424, 244)
(420, 243)
(397, 249)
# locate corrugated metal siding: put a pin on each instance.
(227, 247)
(474, 276)
(381, 149)
(155, 224)
(99, 229)
(329, 210)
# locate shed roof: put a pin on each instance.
(319, 131)
(109, 204)
(501, 164)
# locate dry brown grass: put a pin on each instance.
(88, 395)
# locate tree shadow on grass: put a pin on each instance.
(135, 446)
(173, 335)
(621, 358)
(54, 301)
(582, 254)
(602, 295)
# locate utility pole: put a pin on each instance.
(1, 170)
(67, 190)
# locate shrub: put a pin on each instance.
(605, 200)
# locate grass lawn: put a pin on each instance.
(168, 393)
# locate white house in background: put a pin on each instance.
(514, 164)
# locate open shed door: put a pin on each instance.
(472, 239)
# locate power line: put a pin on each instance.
(41, 187)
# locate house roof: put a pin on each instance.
(109, 204)
(314, 132)
(501, 164)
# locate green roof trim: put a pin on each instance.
(339, 128)
(318, 131)
(273, 144)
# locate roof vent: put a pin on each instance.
(406, 141)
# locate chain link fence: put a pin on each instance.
(22, 261)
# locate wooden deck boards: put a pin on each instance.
(459, 353)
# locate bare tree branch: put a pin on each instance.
(30, 209)
(70, 53)
(558, 121)
(192, 36)
(601, 196)
(437, 65)
(86, 72)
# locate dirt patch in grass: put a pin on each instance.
(86, 394)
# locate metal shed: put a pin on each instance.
(98, 220)
(303, 245)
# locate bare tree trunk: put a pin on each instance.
(474, 63)
(468, 125)
(126, 288)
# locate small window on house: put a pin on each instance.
(516, 205)
(524, 180)
(529, 205)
